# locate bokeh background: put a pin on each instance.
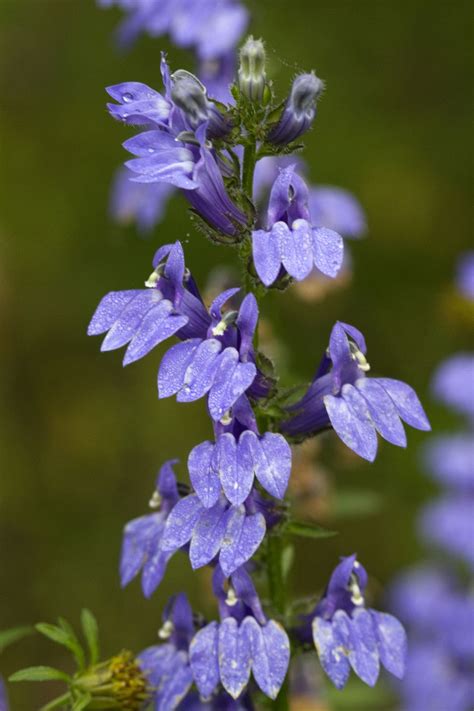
(81, 438)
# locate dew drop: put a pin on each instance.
(127, 98)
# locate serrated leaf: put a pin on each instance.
(81, 702)
(91, 633)
(40, 674)
(12, 635)
(63, 635)
(309, 530)
(58, 702)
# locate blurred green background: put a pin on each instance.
(81, 438)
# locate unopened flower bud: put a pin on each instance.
(189, 94)
(300, 109)
(252, 77)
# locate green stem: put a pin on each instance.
(250, 159)
(277, 591)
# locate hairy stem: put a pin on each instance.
(250, 159)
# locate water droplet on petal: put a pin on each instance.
(127, 98)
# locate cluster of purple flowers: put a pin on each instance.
(234, 508)
(431, 600)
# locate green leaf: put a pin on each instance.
(309, 530)
(12, 635)
(287, 558)
(91, 633)
(40, 674)
(63, 635)
(82, 702)
(61, 701)
(75, 645)
(354, 503)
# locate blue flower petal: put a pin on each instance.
(296, 247)
(109, 310)
(230, 382)
(175, 684)
(266, 256)
(332, 655)
(234, 657)
(181, 522)
(363, 655)
(204, 660)
(356, 432)
(242, 538)
(208, 535)
(270, 650)
(158, 324)
(246, 323)
(154, 570)
(392, 642)
(203, 473)
(272, 461)
(382, 411)
(174, 365)
(235, 469)
(328, 249)
(200, 372)
(407, 403)
(130, 319)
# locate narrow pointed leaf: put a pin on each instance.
(307, 529)
(40, 673)
(91, 633)
(12, 635)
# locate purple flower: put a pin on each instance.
(217, 75)
(244, 641)
(209, 197)
(440, 651)
(453, 383)
(142, 537)
(219, 364)
(231, 533)
(450, 459)
(143, 318)
(356, 406)
(338, 210)
(436, 610)
(167, 665)
(299, 111)
(433, 681)
(290, 244)
(175, 151)
(449, 524)
(465, 275)
(210, 27)
(230, 464)
(347, 634)
(169, 671)
(143, 203)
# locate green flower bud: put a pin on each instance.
(252, 77)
